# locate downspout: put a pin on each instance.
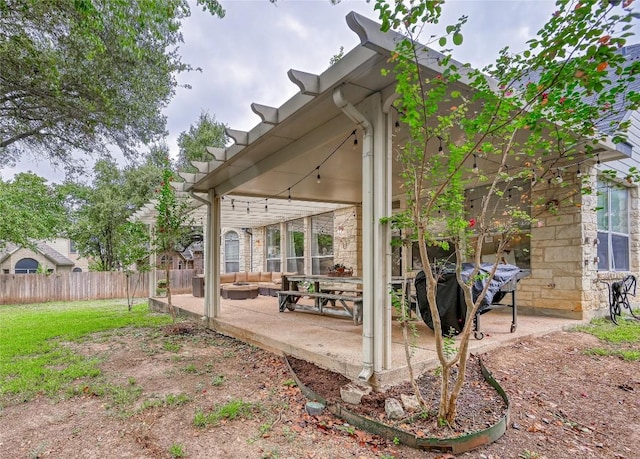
(367, 200)
(207, 253)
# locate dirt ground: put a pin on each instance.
(157, 385)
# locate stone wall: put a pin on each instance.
(565, 280)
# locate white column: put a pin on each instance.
(206, 255)
(212, 274)
(376, 256)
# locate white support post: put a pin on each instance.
(380, 243)
(212, 279)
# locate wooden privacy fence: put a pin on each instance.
(39, 288)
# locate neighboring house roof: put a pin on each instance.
(7, 250)
(54, 255)
(49, 253)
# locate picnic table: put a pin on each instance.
(330, 295)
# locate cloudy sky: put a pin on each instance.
(245, 56)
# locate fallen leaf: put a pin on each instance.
(536, 427)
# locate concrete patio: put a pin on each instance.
(336, 344)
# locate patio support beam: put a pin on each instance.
(241, 138)
(268, 115)
(308, 83)
(207, 253)
(212, 275)
(383, 148)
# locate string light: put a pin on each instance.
(397, 126)
(355, 141)
(475, 169)
(598, 156)
(288, 190)
(558, 178)
(579, 172)
(440, 149)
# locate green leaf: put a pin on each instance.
(442, 41)
(457, 39)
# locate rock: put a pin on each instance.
(352, 393)
(410, 402)
(393, 408)
(314, 408)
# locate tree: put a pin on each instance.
(207, 132)
(133, 254)
(82, 75)
(173, 225)
(101, 211)
(510, 127)
(31, 210)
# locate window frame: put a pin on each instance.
(273, 260)
(607, 258)
(231, 263)
(320, 262)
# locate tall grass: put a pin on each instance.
(32, 358)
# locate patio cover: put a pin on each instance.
(314, 133)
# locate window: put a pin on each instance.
(72, 247)
(231, 252)
(166, 260)
(321, 243)
(295, 246)
(77, 270)
(272, 247)
(613, 228)
(26, 266)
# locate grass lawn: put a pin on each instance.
(622, 340)
(33, 361)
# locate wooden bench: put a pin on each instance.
(289, 299)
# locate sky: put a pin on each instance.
(245, 56)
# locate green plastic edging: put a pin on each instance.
(455, 445)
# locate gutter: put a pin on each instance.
(367, 202)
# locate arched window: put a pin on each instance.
(77, 270)
(231, 252)
(166, 259)
(27, 266)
